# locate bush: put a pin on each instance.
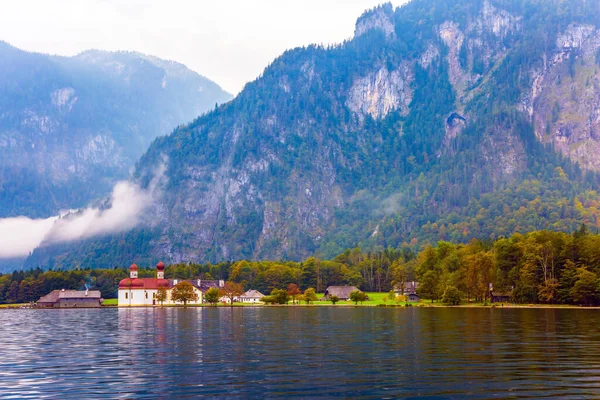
(452, 296)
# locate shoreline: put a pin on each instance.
(419, 305)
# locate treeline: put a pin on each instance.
(538, 267)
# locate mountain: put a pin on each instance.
(438, 120)
(71, 126)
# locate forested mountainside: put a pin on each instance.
(71, 126)
(437, 120)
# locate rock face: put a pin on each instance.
(380, 18)
(70, 127)
(566, 96)
(379, 94)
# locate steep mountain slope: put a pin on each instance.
(436, 121)
(69, 127)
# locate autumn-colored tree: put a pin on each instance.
(161, 295)
(232, 291)
(293, 291)
(184, 292)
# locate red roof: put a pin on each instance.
(144, 283)
(133, 267)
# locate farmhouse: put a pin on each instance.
(406, 289)
(135, 291)
(342, 292)
(70, 298)
(251, 296)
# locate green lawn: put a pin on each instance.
(110, 302)
(375, 299)
(14, 305)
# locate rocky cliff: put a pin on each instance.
(435, 121)
(70, 127)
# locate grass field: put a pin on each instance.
(14, 305)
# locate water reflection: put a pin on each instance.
(297, 351)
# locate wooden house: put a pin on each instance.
(342, 292)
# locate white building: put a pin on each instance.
(134, 291)
(252, 296)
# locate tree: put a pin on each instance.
(357, 296)
(585, 290)
(278, 296)
(293, 291)
(161, 295)
(212, 296)
(452, 296)
(310, 295)
(334, 299)
(429, 287)
(232, 290)
(184, 292)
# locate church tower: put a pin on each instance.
(160, 270)
(133, 271)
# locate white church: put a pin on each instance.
(135, 291)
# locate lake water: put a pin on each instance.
(433, 353)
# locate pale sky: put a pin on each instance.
(228, 41)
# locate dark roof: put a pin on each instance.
(51, 297)
(57, 295)
(343, 292)
(204, 285)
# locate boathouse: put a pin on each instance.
(70, 299)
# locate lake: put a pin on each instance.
(435, 353)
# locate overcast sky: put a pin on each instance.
(229, 41)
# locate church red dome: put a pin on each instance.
(125, 283)
(133, 267)
(160, 266)
(137, 282)
(163, 283)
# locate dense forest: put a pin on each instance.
(538, 267)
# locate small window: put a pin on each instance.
(146, 294)
(126, 295)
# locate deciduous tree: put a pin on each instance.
(184, 292)
(293, 291)
(232, 290)
(310, 295)
(161, 295)
(212, 296)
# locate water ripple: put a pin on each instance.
(299, 352)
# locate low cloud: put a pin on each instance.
(19, 236)
(122, 212)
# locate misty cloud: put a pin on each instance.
(19, 236)
(125, 210)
